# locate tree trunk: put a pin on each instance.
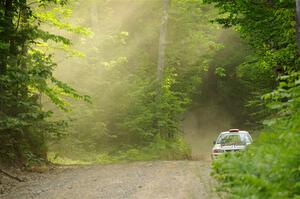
(11, 176)
(94, 17)
(162, 44)
(6, 34)
(298, 24)
(5, 39)
(161, 60)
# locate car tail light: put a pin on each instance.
(234, 130)
(218, 151)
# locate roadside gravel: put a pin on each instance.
(138, 180)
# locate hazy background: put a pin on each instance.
(119, 67)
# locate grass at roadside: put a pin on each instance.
(161, 149)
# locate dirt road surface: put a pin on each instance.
(139, 180)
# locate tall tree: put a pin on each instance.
(298, 24)
(162, 43)
(26, 70)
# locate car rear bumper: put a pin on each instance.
(215, 155)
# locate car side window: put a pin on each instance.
(219, 139)
(245, 138)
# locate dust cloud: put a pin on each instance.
(125, 40)
(201, 127)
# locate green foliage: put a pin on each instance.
(26, 73)
(220, 71)
(270, 167)
(269, 28)
(122, 75)
(176, 149)
(230, 87)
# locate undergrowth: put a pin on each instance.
(270, 168)
(160, 149)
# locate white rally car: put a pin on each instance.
(233, 140)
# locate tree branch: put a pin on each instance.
(11, 176)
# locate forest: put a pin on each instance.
(114, 81)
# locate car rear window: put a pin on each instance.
(233, 138)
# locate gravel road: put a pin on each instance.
(139, 180)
